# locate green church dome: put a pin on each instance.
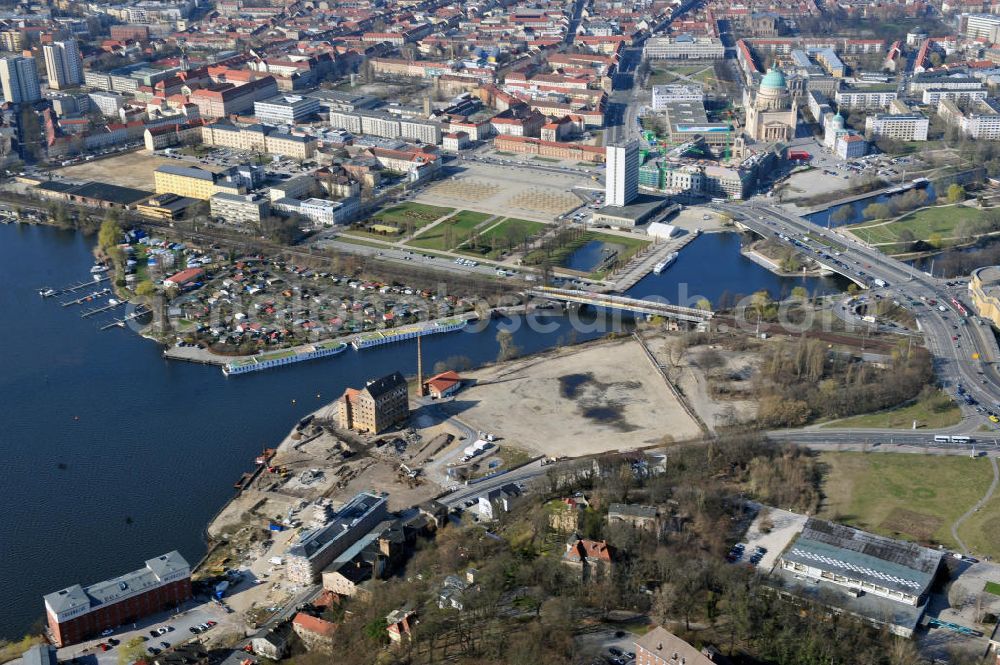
(774, 80)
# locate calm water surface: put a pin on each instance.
(114, 455)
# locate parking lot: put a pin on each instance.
(607, 646)
(771, 531)
(178, 631)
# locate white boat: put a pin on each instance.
(98, 269)
(391, 335)
(286, 357)
(112, 301)
(46, 293)
(665, 263)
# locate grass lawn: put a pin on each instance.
(514, 229)
(196, 150)
(992, 587)
(661, 75)
(345, 237)
(981, 532)
(938, 411)
(904, 496)
(513, 456)
(418, 214)
(451, 232)
(706, 76)
(923, 224)
(547, 159)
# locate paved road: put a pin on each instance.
(626, 98)
(466, 492)
(979, 504)
(953, 358)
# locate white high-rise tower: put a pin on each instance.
(63, 64)
(621, 179)
(20, 80)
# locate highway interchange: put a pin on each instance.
(955, 361)
(966, 361)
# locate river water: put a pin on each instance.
(824, 217)
(114, 455)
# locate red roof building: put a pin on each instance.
(314, 632)
(183, 278)
(591, 557)
(443, 384)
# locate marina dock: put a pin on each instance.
(142, 310)
(106, 308)
(86, 298)
(72, 288)
(644, 265)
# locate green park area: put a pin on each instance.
(981, 532)
(661, 75)
(930, 412)
(932, 225)
(913, 497)
(451, 232)
(557, 251)
(398, 221)
(502, 237)
(417, 214)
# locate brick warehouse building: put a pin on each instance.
(378, 406)
(77, 613)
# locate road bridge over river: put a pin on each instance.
(624, 303)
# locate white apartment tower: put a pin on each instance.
(20, 80)
(621, 179)
(63, 64)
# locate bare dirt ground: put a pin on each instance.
(134, 169)
(713, 380)
(576, 401)
(507, 190)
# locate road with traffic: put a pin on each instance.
(963, 347)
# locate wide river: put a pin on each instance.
(114, 455)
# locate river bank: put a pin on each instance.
(150, 448)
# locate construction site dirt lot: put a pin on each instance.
(717, 382)
(316, 467)
(133, 169)
(510, 190)
(576, 401)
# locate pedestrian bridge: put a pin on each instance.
(623, 303)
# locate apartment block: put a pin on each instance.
(900, 127)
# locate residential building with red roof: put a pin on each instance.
(593, 558)
(314, 632)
